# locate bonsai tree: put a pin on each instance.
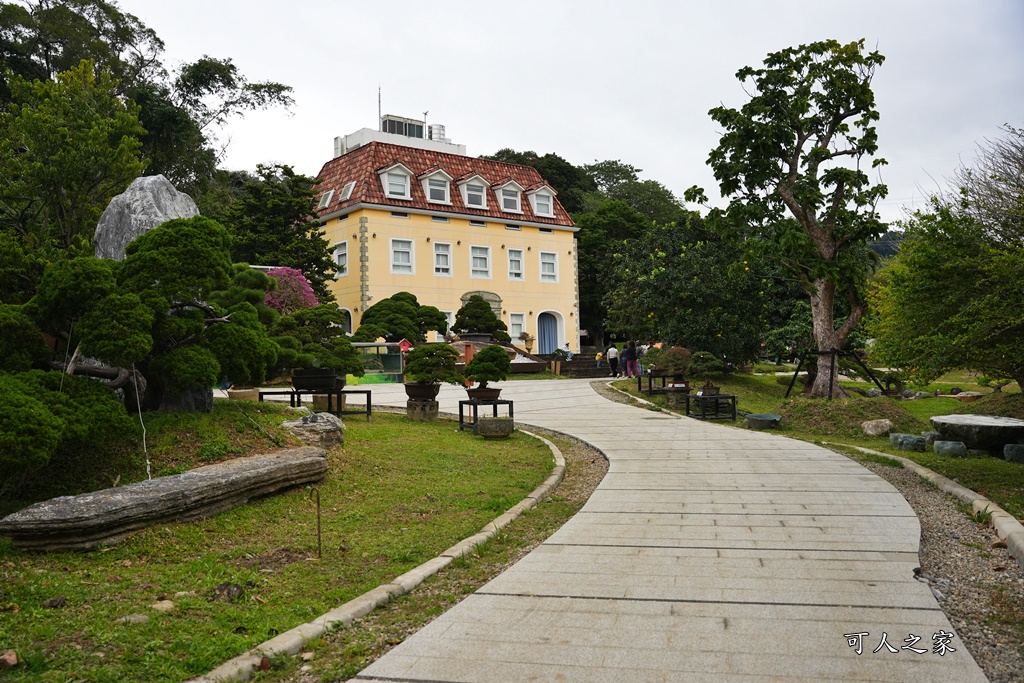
(705, 364)
(398, 317)
(318, 340)
(674, 361)
(491, 364)
(432, 364)
(478, 317)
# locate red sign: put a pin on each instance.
(404, 345)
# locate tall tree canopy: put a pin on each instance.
(273, 220)
(67, 146)
(800, 147)
(951, 297)
(181, 112)
(688, 286)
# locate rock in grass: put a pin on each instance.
(929, 437)
(876, 427)
(1013, 452)
(909, 442)
(950, 449)
(108, 516)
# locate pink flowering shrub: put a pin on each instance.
(293, 292)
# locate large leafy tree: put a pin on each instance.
(689, 286)
(181, 111)
(951, 298)
(273, 220)
(68, 146)
(793, 161)
(602, 233)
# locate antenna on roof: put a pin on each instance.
(380, 116)
(425, 129)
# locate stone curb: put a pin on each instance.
(1006, 525)
(291, 642)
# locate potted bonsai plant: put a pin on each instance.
(527, 340)
(426, 366)
(476, 321)
(674, 362)
(706, 364)
(490, 364)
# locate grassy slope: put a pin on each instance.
(396, 495)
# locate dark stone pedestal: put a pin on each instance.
(421, 411)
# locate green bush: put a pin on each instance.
(29, 431)
(491, 364)
(432, 364)
(477, 316)
(705, 364)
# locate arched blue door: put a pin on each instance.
(547, 333)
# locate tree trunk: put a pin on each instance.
(827, 337)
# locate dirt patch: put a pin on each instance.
(270, 561)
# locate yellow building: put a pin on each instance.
(405, 214)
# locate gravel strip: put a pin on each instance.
(982, 584)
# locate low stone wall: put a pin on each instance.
(108, 516)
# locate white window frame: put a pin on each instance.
(513, 275)
(396, 172)
(478, 224)
(429, 187)
(346, 191)
(475, 181)
(399, 268)
(325, 199)
(512, 194)
(480, 273)
(341, 266)
(447, 253)
(535, 203)
(482, 194)
(512, 324)
(548, 277)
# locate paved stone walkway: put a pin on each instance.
(706, 554)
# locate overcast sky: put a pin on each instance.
(592, 79)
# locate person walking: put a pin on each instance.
(613, 359)
(568, 351)
(628, 359)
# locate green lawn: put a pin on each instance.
(396, 495)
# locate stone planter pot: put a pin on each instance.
(488, 394)
(314, 379)
(764, 420)
(484, 337)
(495, 427)
(709, 391)
(417, 391)
(244, 394)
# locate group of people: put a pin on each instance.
(625, 363)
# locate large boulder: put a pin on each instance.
(108, 516)
(876, 427)
(148, 202)
(988, 432)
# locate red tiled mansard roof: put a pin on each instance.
(363, 165)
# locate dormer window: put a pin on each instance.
(509, 195)
(436, 187)
(542, 200)
(474, 192)
(395, 181)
